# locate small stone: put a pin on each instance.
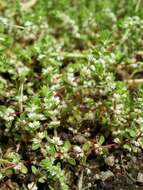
(110, 160)
(106, 175)
(88, 171)
(97, 176)
(134, 159)
(77, 149)
(80, 139)
(140, 177)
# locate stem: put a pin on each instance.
(11, 25)
(70, 55)
(137, 6)
(133, 82)
(9, 167)
(139, 135)
(135, 72)
(3, 161)
(80, 182)
(21, 98)
(55, 132)
(124, 37)
(108, 145)
(16, 26)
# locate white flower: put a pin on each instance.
(34, 124)
(56, 99)
(139, 120)
(9, 114)
(41, 135)
(36, 141)
(116, 96)
(54, 123)
(47, 70)
(18, 166)
(117, 140)
(70, 77)
(57, 141)
(23, 70)
(32, 186)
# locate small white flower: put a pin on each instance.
(56, 99)
(117, 140)
(57, 141)
(32, 186)
(54, 123)
(41, 135)
(36, 141)
(116, 96)
(47, 70)
(18, 166)
(70, 77)
(34, 124)
(139, 120)
(9, 114)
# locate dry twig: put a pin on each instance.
(28, 5)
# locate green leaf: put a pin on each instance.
(67, 145)
(86, 146)
(127, 146)
(71, 161)
(41, 180)
(51, 188)
(8, 172)
(101, 139)
(34, 170)
(23, 169)
(52, 150)
(132, 132)
(35, 146)
(46, 163)
(141, 142)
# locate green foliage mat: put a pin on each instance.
(71, 76)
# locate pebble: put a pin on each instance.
(106, 175)
(77, 149)
(140, 177)
(80, 139)
(110, 160)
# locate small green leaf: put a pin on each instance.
(51, 188)
(8, 172)
(141, 142)
(23, 169)
(127, 146)
(86, 146)
(34, 170)
(101, 139)
(41, 180)
(52, 150)
(46, 163)
(67, 145)
(132, 132)
(35, 146)
(71, 161)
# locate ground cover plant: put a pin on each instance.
(71, 94)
